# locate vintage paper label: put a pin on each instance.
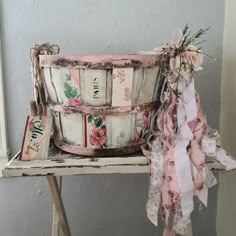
(94, 87)
(122, 86)
(95, 131)
(36, 138)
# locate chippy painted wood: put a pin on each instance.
(56, 196)
(137, 84)
(72, 127)
(99, 61)
(122, 165)
(60, 163)
(109, 87)
(149, 85)
(120, 131)
(114, 81)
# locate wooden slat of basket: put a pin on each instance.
(99, 61)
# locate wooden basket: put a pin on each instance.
(101, 105)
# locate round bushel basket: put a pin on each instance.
(101, 105)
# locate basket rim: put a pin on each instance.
(99, 61)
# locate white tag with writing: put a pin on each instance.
(36, 138)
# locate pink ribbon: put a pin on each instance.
(186, 112)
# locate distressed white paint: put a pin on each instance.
(72, 128)
(120, 130)
(137, 84)
(148, 85)
(121, 165)
(109, 87)
(57, 79)
(49, 74)
(62, 163)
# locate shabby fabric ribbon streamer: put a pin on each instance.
(180, 140)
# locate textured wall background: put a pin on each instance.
(97, 205)
(225, 220)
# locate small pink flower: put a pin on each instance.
(98, 136)
(145, 120)
(73, 102)
(172, 163)
(167, 206)
(169, 178)
(31, 123)
(194, 57)
(127, 93)
(27, 151)
(120, 75)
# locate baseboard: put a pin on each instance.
(5, 153)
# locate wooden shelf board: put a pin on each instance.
(60, 163)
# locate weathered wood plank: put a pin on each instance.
(120, 129)
(50, 87)
(137, 84)
(56, 196)
(72, 128)
(99, 61)
(148, 85)
(56, 84)
(109, 87)
(65, 171)
(132, 164)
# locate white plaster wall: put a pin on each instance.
(96, 205)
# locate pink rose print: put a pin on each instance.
(127, 94)
(27, 151)
(31, 123)
(145, 120)
(98, 136)
(73, 102)
(172, 163)
(120, 75)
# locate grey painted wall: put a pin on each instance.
(96, 205)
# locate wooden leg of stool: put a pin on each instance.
(55, 219)
(58, 203)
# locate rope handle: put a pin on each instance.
(38, 104)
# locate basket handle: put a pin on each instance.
(38, 104)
